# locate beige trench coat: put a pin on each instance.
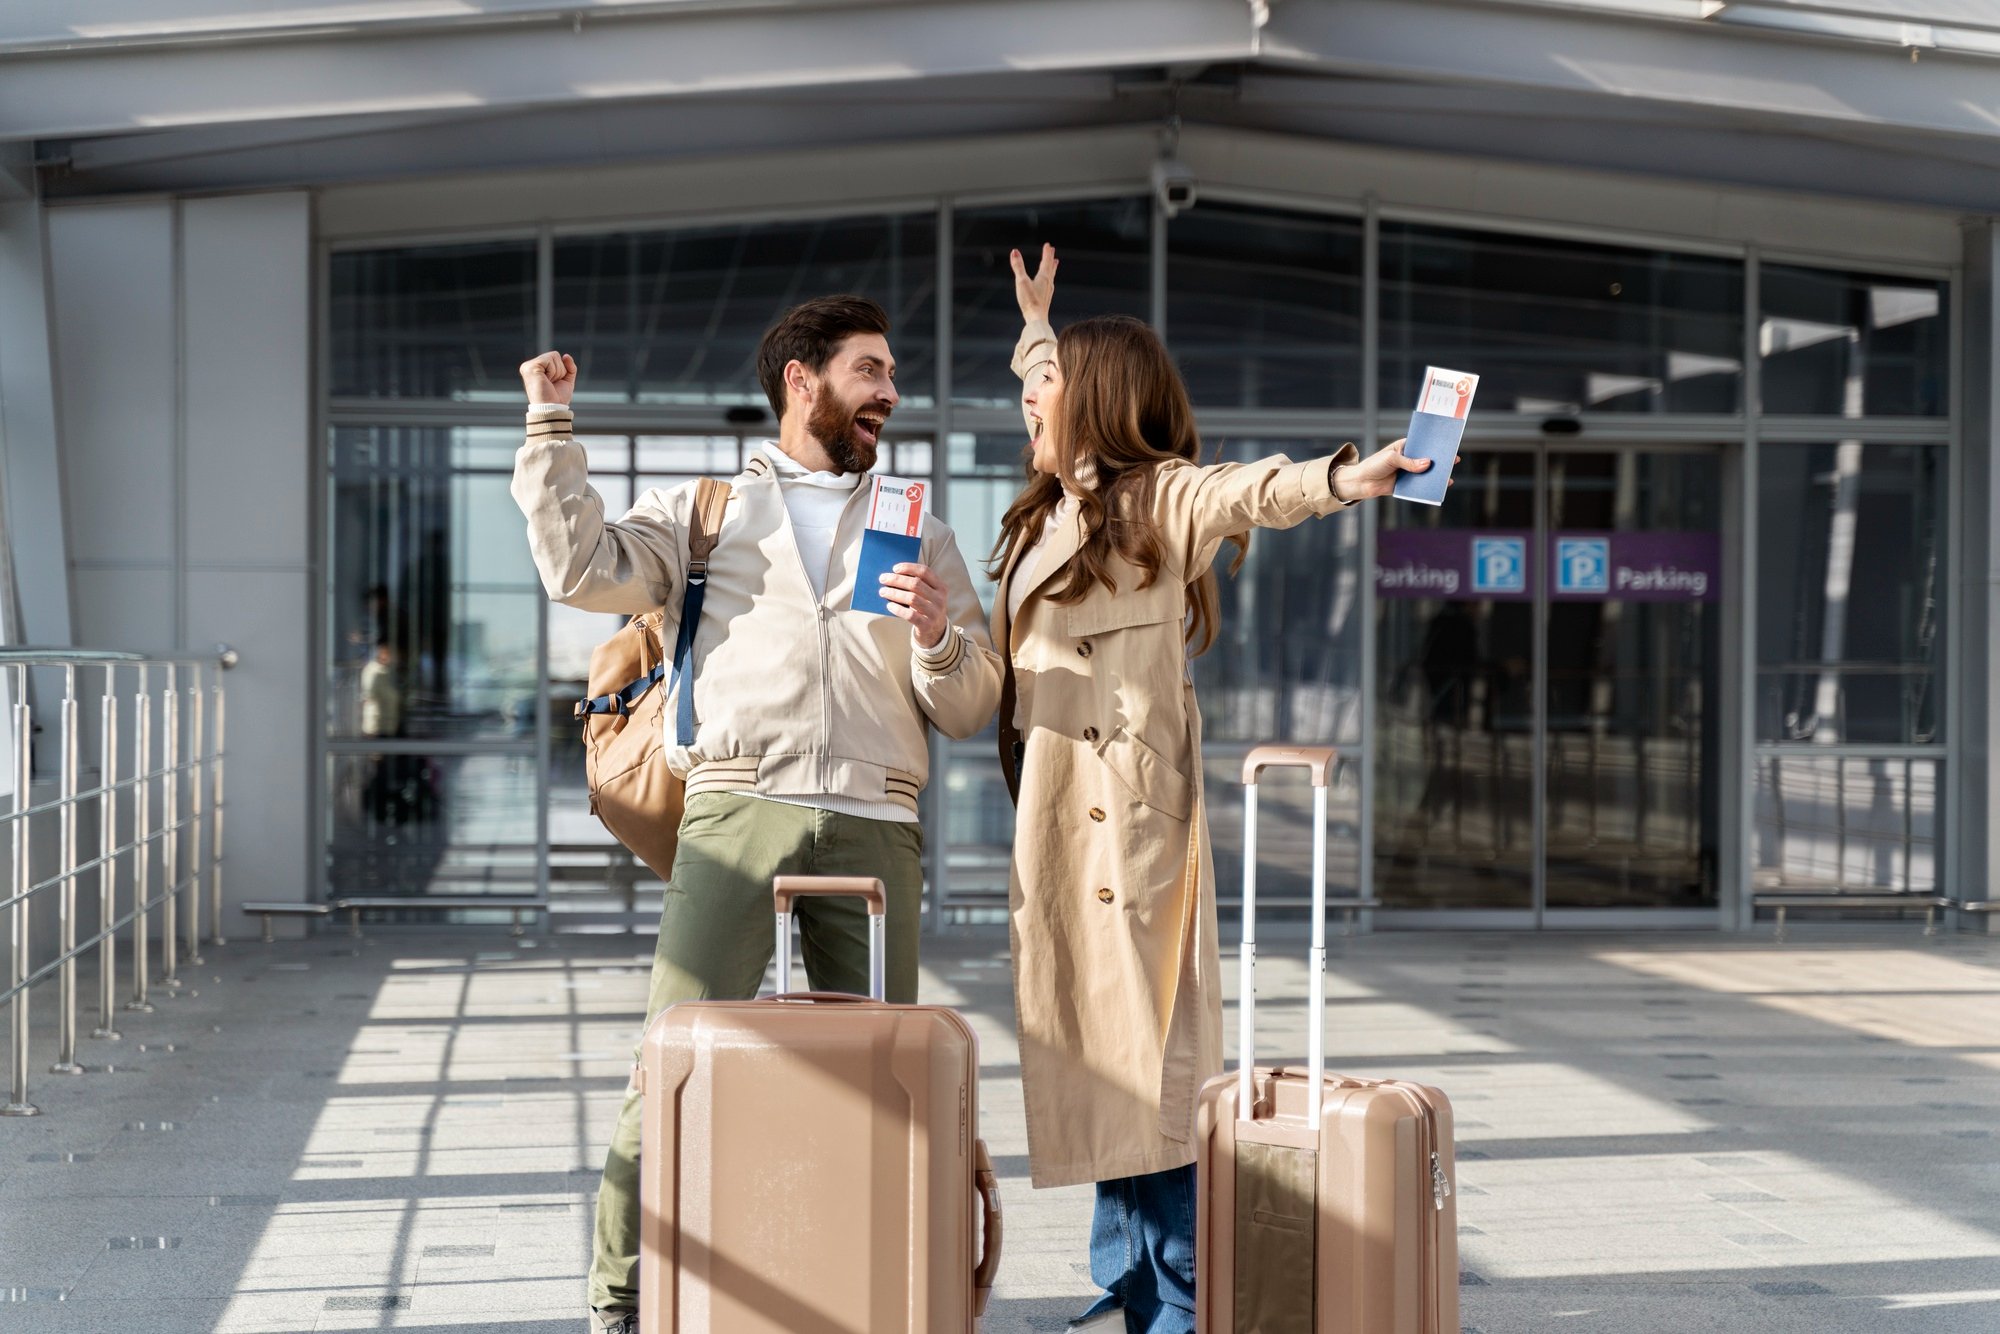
(1117, 979)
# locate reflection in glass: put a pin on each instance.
(1632, 688)
(402, 823)
(1454, 735)
(1285, 666)
(1105, 247)
(433, 599)
(437, 322)
(1264, 307)
(1852, 345)
(1846, 823)
(1560, 327)
(676, 316)
(987, 472)
(1850, 601)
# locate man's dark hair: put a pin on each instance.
(808, 333)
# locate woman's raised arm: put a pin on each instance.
(1038, 338)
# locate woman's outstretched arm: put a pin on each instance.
(1199, 508)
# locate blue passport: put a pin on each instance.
(1436, 427)
(881, 553)
(894, 536)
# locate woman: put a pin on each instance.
(1104, 593)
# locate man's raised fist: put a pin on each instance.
(550, 378)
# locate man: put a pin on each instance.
(809, 744)
(381, 697)
(382, 716)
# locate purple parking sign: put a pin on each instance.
(1445, 563)
(1496, 565)
(1635, 567)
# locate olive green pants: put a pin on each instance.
(716, 941)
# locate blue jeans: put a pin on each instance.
(1142, 1251)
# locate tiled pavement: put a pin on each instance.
(1657, 1133)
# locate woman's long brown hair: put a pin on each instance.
(1124, 411)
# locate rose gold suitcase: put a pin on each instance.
(811, 1163)
(1325, 1203)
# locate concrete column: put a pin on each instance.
(1975, 633)
(184, 336)
(37, 549)
(246, 486)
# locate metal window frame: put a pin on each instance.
(915, 204)
(1737, 911)
(1950, 600)
(1371, 431)
(545, 324)
(320, 566)
(936, 801)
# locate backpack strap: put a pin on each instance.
(704, 528)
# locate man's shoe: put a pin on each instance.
(1104, 1322)
(614, 1321)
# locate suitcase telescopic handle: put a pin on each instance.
(787, 889)
(1318, 761)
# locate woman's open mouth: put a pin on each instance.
(1034, 429)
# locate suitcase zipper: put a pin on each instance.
(1431, 1301)
(1440, 1183)
(1428, 1277)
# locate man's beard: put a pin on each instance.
(832, 424)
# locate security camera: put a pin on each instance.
(1173, 185)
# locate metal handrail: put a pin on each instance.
(195, 680)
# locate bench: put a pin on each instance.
(355, 905)
(1980, 907)
(1343, 904)
(267, 911)
(1811, 899)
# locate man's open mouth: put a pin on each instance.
(868, 425)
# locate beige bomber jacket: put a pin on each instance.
(794, 696)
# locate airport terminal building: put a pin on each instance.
(1710, 613)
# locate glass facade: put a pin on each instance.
(431, 322)
(1545, 745)
(675, 317)
(433, 622)
(1850, 593)
(1851, 345)
(1851, 580)
(1106, 248)
(1264, 307)
(1557, 328)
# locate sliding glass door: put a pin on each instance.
(1547, 695)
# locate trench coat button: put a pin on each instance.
(1090, 734)
(1083, 649)
(1097, 814)
(1104, 895)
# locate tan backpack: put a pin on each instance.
(632, 790)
